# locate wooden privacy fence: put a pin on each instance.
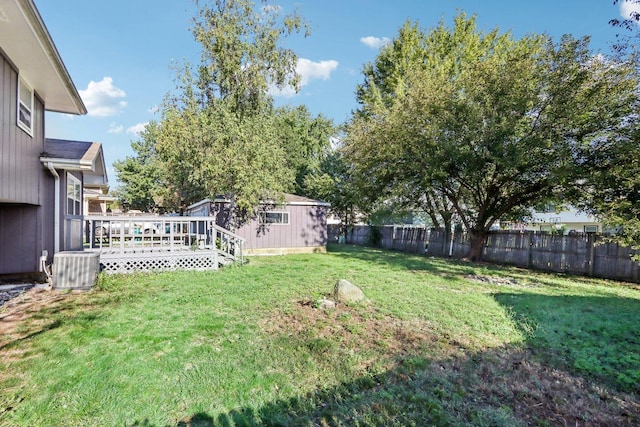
(405, 238)
(584, 254)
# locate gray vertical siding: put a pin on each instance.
(23, 212)
(307, 228)
(19, 240)
(20, 166)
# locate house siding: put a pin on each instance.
(18, 250)
(20, 166)
(22, 236)
(307, 228)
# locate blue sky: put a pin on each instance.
(120, 53)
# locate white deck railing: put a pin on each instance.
(160, 243)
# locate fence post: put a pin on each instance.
(393, 237)
(530, 249)
(592, 253)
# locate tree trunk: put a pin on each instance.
(478, 239)
(448, 235)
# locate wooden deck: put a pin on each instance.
(159, 243)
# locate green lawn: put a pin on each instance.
(438, 343)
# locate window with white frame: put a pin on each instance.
(281, 218)
(25, 106)
(74, 195)
(590, 228)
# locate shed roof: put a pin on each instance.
(293, 199)
(290, 199)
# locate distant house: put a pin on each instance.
(566, 220)
(79, 166)
(41, 182)
(299, 225)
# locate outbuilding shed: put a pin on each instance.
(299, 225)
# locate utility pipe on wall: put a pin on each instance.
(56, 208)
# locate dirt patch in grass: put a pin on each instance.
(362, 327)
(539, 394)
(17, 320)
(473, 387)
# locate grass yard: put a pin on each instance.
(438, 343)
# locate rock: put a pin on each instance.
(325, 304)
(9, 292)
(346, 292)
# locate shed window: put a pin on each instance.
(74, 195)
(25, 107)
(590, 228)
(274, 218)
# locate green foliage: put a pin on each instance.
(219, 133)
(611, 189)
(306, 140)
(141, 177)
(375, 236)
(385, 79)
(242, 54)
(333, 182)
(213, 151)
(492, 124)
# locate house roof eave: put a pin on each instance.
(29, 46)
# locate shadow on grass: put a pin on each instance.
(598, 337)
(580, 365)
(449, 267)
(44, 315)
(497, 387)
(406, 261)
(34, 333)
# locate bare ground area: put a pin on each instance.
(536, 393)
(18, 312)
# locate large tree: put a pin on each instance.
(611, 189)
(306, 140)
(219, 131)
(141, 178)
(333, 182)
(386, 81)
(494, 124)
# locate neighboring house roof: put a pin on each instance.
(293, 199)
(290, 199)
(569, 214)
(77, 155)
(24, 38)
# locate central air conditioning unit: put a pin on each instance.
(75, 269)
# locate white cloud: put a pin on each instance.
(102, 98)
(628, 9)
(308, 70)
(137, 129)
(154, 109)
(115, 128)
(375, 42)
(272, 8)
